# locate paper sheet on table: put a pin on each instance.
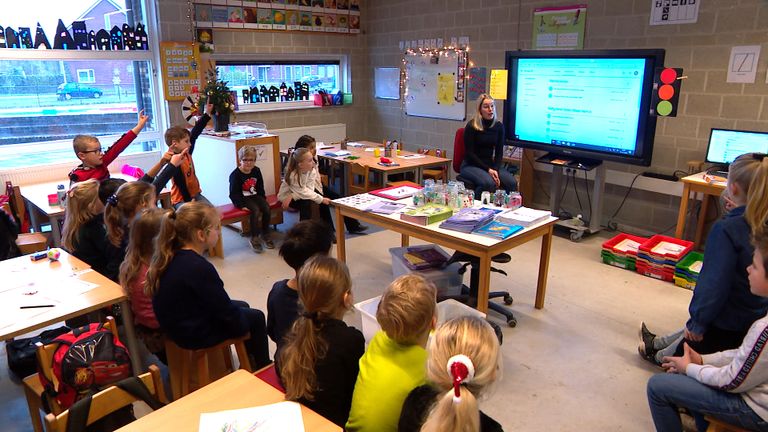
(355, 144)
(278, 417)
(360, 201)
(412, 156)
(370, 149)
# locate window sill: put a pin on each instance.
(285, 106)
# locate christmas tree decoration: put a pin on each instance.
(80, 35)
(116, 39)
(63, 39)
(41, 39)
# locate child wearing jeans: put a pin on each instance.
(319, 363)
(95, 161)
(394, 363)
(730, 385)
(246, 190)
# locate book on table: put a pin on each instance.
(427, 214)
(523, 216)
(467, 219)
(385, 207)
(496, 229)
(397, 192)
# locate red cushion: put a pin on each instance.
(273, 202)
(269, 376)
(458, 149)
(229, 211)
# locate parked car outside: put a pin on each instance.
(76, 90)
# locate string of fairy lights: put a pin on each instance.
(191, 23)
(462, 55)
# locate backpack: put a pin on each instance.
(21, 352)
(87, 359)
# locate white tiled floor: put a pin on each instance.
(570, 366)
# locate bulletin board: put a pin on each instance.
(180, 62)
(435, 84)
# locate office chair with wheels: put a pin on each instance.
(469, 293)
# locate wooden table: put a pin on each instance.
(696, 183)
(237, 390)
(23, 279)
(480, 246)
(36, 196)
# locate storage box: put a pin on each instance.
(447, 280)
(446, 310)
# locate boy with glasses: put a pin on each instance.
(246, 190)
(95, 160)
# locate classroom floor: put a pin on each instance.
(570, 366)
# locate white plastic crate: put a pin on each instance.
(447, 280)
(446, 310)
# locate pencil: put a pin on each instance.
(36, 306)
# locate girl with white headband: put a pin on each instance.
(463, 362)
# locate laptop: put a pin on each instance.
(725, 145)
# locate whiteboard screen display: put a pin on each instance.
(435, 86)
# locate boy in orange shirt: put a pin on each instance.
(186, 186)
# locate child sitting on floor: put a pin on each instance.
(728, 385)
(319, 363)
(95, 161)
(303, 241)
(246, 190)
(394, 363)
(463, 362)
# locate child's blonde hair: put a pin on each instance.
(473, 338)
(750, 172)
(407, 308)
(323, 284)
(477, 119)
(122, 206)
(293, 163)
(178, 228)
(80, 209)
(246, 151)
(175, 133)
(760, 241)
(141, 244)
(80, 142)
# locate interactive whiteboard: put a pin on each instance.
(435, 86)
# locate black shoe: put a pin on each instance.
(645, 347)
(357, 229)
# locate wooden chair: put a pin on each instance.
(27, 242)
(184, 364)
(110, 400)
(433, 173)
(358, 179)
(33, 387)
(716, 425)
(268, 374)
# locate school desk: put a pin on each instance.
(696, 183)
(36, 196)
(240, 389)
(29, 300)
(480, 246)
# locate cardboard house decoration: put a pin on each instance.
(80, 35)
(63, 39)
(129, 40)
(2, 37)
(283, 92)
(25, 37)
(102, 40)
(290, 95)
(264, 93)
(41, 39)
(92, 41)
(116, 39)
(274, 94)
(142, 43)
(11, 38)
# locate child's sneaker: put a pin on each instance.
(256, 245)
(268, 243)
(645, 347)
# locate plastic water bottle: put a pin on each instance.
(61, 192)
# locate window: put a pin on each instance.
(52, 95)
(85, 76)
(247, 78)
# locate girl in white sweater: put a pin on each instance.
(301, 187)
(728, 385)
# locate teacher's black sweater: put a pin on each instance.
(484, 148)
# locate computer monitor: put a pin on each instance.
(725, 145)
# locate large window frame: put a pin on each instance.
(150, 56)
(344, 78)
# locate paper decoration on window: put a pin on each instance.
(80, 35)
(142, 40)
(92, 40)
(25, 37)
(128, 37)
(2, 37)
(12, 37)
(41, 40)
(102, 40)
(63, 39)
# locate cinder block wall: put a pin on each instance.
(495, 26)
(175, 27)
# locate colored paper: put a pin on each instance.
(559, 27)
(446, 89)
(498, 88)
(478, 79)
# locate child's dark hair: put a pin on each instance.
(304, 240)
(304, 141)
(324, 283)
(175, 133)
(109, 187)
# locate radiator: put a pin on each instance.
(322, 133)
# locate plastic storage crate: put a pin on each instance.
(447, 280)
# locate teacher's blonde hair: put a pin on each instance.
(477, 119)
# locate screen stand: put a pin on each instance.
(598, 193)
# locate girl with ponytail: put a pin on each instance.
(463, 362)
(188, 297)
(122, 206)
(318, 363)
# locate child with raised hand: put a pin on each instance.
(722, 308)
(186, 186)
(463, 362)
(95, 161)
(246, 190)
(301, 187)
(303, 241)
(305, 141)
(394, 363)
(84, 234)
(133, 275)
(730, 385)
(319, 362)
(188, 296)
(123, 206)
